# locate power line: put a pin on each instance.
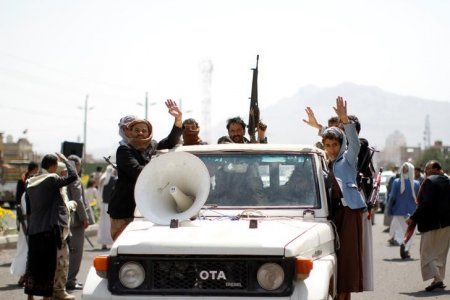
(53, 69)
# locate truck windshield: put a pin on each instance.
(261, 179)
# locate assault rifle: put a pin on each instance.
(373, 198)
(107, 159)
(21, 217)
(253, 116)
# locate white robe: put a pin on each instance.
(19, 262)
(398, 229)
(367, 253)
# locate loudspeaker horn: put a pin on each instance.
(174, 185)
(69, 148)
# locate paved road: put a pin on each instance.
(394, 278)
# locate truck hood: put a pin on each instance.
(278, 237)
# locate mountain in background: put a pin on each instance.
(380, 113)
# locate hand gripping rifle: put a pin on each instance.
(253, 116)
(373, 198)
(21, 217)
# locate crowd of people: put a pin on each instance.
(56, 211)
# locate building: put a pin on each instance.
(408, 153)
(14, 157)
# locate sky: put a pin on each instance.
(58, 55)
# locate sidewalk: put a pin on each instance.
(10, 241)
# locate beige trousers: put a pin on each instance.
(62, 268)
(434, 247)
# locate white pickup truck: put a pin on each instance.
(242, 221)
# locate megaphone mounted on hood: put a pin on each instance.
(173, 186)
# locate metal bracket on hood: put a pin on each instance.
(174, 223)
(253, 224)
(308, 214)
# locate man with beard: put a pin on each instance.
(236, 131)
(134, 152)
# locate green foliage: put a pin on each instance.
(433, 154)
(5, 213)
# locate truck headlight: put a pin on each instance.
(131, 274)
(270, 276)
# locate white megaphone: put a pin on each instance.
(173, 186)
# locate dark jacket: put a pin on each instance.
(47, 206)
(130, 163)
(433, 210)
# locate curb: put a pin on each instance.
(10, 241)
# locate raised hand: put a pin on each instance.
(311, 121)
(341, 109)
(173, 108)
(61, 156)
(261, 126)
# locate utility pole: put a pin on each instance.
(146, 105)
(427, 133)
(206, 69)
(85, 108)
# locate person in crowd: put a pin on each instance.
(134, 152)
(32, 169)
(387, 217)
(81, 219)
(47, 217)
(403, 204)
(62, 254)
(297, 189)
(418, 174)
(236, 132)
(365, 174)
(105, 190)
(432, 219)
(95, 176)
(239, 184)
(342, 151)
(91, 193)
(19, 263)
(190, 133)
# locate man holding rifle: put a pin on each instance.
(236, 126)
(236, 131)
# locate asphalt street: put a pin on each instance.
(394, 278)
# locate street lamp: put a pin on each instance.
(146, 105)
(181, 107)
(85, 108)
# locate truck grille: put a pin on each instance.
(189, 275)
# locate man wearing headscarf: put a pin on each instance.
(348, 203)
(403, 204)
(134, 152)
(190, 133)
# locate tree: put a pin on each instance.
(434, 153)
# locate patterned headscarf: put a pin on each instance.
(336, 133)
(140, 143)
(123, 123)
